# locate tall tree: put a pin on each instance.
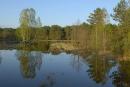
(119, 11)
(121, 15)
(98, 20)
(27, 21)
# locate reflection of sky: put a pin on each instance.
(0, 58)
(55, 67)
(60, 12)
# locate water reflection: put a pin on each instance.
(42, 46)
(121, 77)
(70, 70)
(49, 81)
(30, 62)
(76, 62)
(0, 58)
(99, 67)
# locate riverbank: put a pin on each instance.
(62, 47)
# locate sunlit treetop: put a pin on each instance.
(28, 18)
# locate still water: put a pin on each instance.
(20, 68)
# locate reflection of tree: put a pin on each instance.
(76, 63)
(99, 67)
(55, 52)
(121, 77)
(41, 46)
(29, 63)
(37, 46)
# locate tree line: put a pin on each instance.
(97, 33)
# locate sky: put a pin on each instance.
(51, 12)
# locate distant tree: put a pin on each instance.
(55, 32)
(40, 34)
(67, 31)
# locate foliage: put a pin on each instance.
(97, 34)
(27, 22)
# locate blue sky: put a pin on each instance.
(61, 12)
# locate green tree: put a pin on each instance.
(98, 20)
(119, 11)
(121, 15)
(55, 32)
(27, 21)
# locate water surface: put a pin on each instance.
(20, 68)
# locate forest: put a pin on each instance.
(96, 34)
